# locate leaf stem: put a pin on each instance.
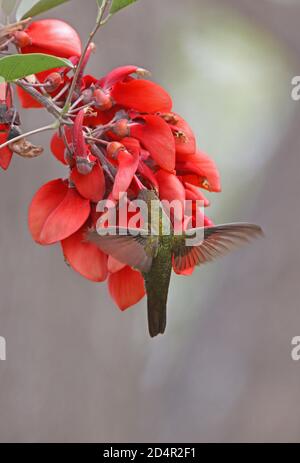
(46, 102)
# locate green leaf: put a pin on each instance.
(30, 8)
(17, 66)
(117, 5)
(8, 6)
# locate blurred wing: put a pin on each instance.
(135, 250)
(217, 241)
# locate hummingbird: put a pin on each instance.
(155, 249)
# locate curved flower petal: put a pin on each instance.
(127, 167)
(170, 187)
(126, 287)
(193, 193)
(204, 168)
(172, 190)
(156, 136)
(53, 37)
(85, 257)
(147, 174)
(141, 95)
(56, 212)
(92, 185)
(5, 153)
(116, 75)
(184, 137)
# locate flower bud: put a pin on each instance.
(102, 100)
(121, 128)
(113, 148)
(53, 81)
(22, 39)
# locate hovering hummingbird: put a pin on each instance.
(152, 252)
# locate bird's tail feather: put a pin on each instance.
(157, 316)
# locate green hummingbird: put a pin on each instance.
(155, 249)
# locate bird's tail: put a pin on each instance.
(157, 315)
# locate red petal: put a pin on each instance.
(170, 187)
(5, 153)
(141, 95)
(84, 257)
(157, 138)
(185, 140)
(147, 173)
(87, 81)
(204, 167)
(79, 145)
(99, 117)
(58, 146)
(126, 287)
(116, 75)
(127, 167)
(56, 212)
(54, 37)
(92, 185)
(193, 193)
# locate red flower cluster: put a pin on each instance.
(124, 137)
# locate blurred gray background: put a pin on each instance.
(79, 370)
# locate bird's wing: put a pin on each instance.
(132, 247)
(216, 241)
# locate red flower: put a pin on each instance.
(199, 169)
(91, 186)
(170, 187)
(141, 95)
(124, 138)
(56, 212)
(126, 287)
(119, 74)
(184, 137)
(84, 257)
(156, 136)
(53, 37)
